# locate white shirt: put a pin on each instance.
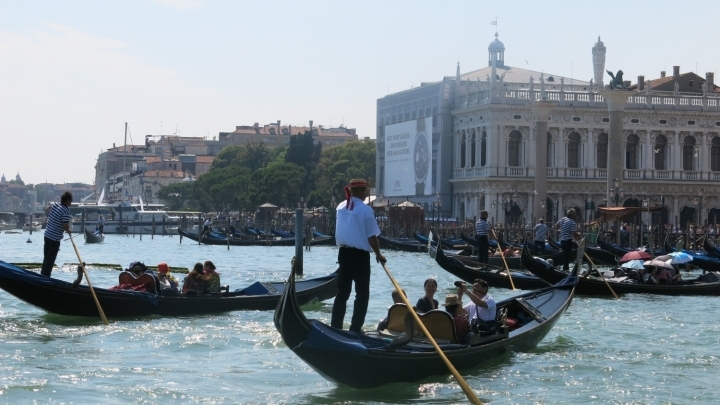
(486, 314)
(353, 228)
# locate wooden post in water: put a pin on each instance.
(152, 236)
(135, 226)
(299, 241)
(199, 231)
(182, 226)
(82, 222)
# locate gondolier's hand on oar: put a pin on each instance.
(375, 246)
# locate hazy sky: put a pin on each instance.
(72, 72)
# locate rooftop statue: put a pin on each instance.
(617, 80)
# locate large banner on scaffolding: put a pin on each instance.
(408, 158)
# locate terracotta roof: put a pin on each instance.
(153, 159)
(204, 159)
(164, 173)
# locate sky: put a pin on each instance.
(73, 72)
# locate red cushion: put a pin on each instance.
(512, 323)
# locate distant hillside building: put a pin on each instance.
(274, 135)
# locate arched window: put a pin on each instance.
(659, 152)
(462, 151)
(631, 152)
(602, 147)
(483, 149)
(472, 150)
(715, 155)
(574, 150)
(688, 153)
(514, 149)
(549, 150)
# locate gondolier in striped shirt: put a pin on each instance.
(57, 223)
(356, 232)
(482, 234)
(568, 229)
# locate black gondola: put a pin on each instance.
(368, 360)
(522, 280)
(61, 297)
(406, 245)
(93, 238)
(702, 260)
(712, 250)
(596, 286)
(596, 254)
(209, 240)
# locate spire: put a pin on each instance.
(598, 55)
(457, 72)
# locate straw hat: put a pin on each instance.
(451, 299)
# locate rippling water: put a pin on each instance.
(639, 350)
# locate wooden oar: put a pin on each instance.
(601, 275)
(512, 284)
(465, 387)
(92, 291)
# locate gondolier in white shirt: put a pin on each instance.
(483, 232)
(57, 223)
(356, 232)
(101, 224)
(568, 229)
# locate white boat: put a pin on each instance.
(123, 217)
(35, 226)
(7, 221)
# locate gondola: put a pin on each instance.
(619, 251)
(368, 360)
(61, 297)
(495, 278)
(596, 286)
(700, 259)
(513, 262)
(712, 250)
(471, 241)
(93, 238)
(210, 240)
(596, 254)
(405, 245)
(446, 243)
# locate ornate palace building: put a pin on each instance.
(484, 143)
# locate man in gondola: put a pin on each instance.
(58, 222)
(101, 224)
(482, 235)
(568, 229)
(356, 232)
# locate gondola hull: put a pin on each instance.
(362, 361)
(60, 297)
(405, 245)
(466, 272)
(700, 259)
(92, 238)
(595, 286)
(208, 240)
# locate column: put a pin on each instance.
(541, 113)
(677, 154)
(649, 151)
(705, 154)
(561, 150)
(493, 146)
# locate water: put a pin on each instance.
(639, 350)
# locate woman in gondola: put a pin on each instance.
(194, 281)
(428, 302)
(453, 305)
(211, 277)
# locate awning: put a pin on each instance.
(615, 213)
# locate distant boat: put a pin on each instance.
(124, 217)
(7, 221)
(91, 237)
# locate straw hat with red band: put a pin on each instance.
(354, 183)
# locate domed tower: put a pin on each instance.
(598, 52)
(2, 180)
(497, 49)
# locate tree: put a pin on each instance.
(178, 195)
(279, 183)
(306, 154)
(354, 159)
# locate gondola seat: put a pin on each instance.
(149, 281)
(439, 323)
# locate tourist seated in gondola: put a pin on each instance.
(428, 302)
(650, 276)
(167, 281)
(453, 305)
(194, 281)
(481, 305)
(211, 277)
(137, 268)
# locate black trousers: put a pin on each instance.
(483, 247)
(539, 246)
(567, 249)
(354, 267)
(50, 251)
(100, 228)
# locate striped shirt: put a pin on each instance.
(567, 227)
(59, 215)
(482, 228)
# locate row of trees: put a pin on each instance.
(245, 176)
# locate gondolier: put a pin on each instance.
(57, 223)
(101, 224)
(540, 231)
(356, 232)
(568, 229)
(482, 235)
